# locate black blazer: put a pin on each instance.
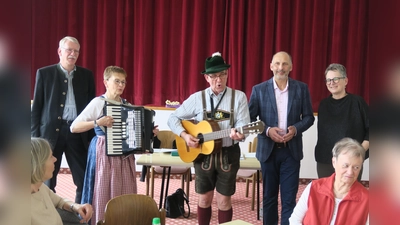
(49, 100)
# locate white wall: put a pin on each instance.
(308, 165)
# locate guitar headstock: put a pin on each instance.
(256, 127)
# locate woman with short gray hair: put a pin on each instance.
(340, 198)
(339, 115)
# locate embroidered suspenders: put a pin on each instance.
(205, 117)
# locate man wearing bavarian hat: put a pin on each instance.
(217, 170)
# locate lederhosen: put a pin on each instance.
(219, 169)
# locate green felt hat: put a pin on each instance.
(215, 64)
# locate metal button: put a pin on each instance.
(62, 105)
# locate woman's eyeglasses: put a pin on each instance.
(335, 80)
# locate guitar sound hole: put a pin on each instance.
(200, 136)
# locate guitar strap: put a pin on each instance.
(213, 110)
(203, 96)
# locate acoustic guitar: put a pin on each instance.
(210, 136)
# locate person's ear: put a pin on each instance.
(333, 161)
(105, 83)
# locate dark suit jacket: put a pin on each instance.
(49, 99)
(300, 114)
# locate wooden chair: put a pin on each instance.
(250, 175)
(166, 138)
(132, 209)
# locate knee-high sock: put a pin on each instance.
(225, 216)
(203, 215)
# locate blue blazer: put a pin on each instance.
(262, 104)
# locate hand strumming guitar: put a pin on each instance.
(190, 140)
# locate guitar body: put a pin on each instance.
(205, 147)
(210, 136)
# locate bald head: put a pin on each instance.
(282, 54)
(281, 66)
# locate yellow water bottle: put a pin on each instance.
(156, 221)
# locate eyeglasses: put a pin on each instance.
(69, 51)
(218, 75)
(335, 80)
(118, 82)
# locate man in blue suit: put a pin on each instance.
(284, 105)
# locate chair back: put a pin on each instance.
(132, 209)
(166, 138)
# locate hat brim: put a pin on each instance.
(216, 69)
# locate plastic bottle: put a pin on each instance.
(156, 221)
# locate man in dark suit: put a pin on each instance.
(284, 105)
(62, 91)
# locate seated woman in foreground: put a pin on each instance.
(44, 201)
(338, 199)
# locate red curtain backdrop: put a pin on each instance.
(163, 44)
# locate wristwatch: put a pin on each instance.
(95, 123)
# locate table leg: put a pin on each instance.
(166, 188)
(162, 188)
(147, 179)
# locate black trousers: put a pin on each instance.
(75, 152)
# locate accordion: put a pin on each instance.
(132, 130)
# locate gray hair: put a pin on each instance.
(348, 145)
(40, 151)
(113, 69)
(67, 38)
(336, 67)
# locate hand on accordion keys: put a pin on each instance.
(106, 121)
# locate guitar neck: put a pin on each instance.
(219, 134)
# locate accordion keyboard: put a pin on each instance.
(128, 132)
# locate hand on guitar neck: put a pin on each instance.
(193, 142)
(205, 136)
(236, 135)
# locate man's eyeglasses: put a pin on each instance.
(218, 75)
(69, 51)
(118, 82)
(335, 80)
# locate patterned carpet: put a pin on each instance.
(241, 204)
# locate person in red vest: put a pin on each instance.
(338, 199)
